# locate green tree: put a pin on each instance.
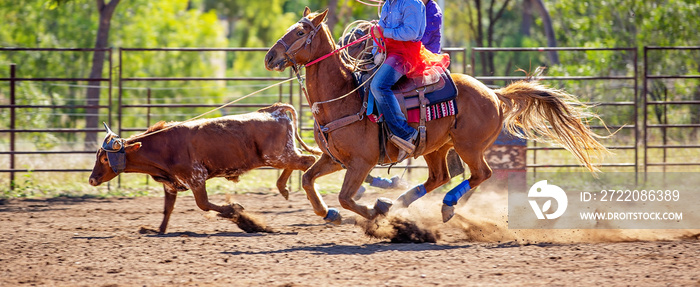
(137, 23)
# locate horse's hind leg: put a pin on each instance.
(323, 166)
(480, 171)
(438, 175)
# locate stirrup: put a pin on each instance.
(402, 155)
(406, 148)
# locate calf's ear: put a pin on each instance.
(133, 147)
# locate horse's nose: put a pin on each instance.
(268, 58)
(93, 181)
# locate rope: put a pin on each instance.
(365, 37)
(315, 109)
(359, 64)
(211, 111)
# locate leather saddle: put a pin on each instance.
(434, 87)
(437, 86)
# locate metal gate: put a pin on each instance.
(138, 96)
(549, 158)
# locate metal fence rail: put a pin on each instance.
(291, 94)
(665, 147)
(12, 129)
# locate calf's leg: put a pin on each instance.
(199, 191)
(282, 182)
(170, 196)
(292, 161)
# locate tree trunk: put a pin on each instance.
(548, 29)
(493, 16)
(332, 18)
(527, 21)
(480, 37)
(93, 92)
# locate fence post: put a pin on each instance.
(12, 124)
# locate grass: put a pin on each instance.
(51, 184)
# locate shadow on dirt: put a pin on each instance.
(50, 204)
(218, 234)
(92, 237)
(514, 244)
(366, 249)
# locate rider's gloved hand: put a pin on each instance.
(378, 58)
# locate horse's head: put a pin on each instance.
(298, 45)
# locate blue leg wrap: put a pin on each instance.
(333, 216)
(456, 193)
(412, 195)
(381, 182)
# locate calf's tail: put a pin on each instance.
(289, 108)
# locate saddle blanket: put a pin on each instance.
(432, 112)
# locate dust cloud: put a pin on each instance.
(245, 221)
(484, 218)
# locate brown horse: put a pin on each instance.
(526, 108)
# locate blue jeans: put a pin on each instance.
(386, 77)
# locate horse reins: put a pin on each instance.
(325, 130)
(295, 66)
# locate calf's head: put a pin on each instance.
(111, 158)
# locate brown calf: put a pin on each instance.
(183, 156)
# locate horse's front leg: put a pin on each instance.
(323, 166)
(354, 176)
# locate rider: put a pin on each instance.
(402, 24)
(433, 23)
(431, 40)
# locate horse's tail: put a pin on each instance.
(536, 112)
(289, 108)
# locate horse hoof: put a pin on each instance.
(447, 212)
(383, 205)
(360, 192)
(333, 216)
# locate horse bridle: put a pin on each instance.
(113, 145)
(307, 41)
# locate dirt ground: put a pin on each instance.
(101, 242)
